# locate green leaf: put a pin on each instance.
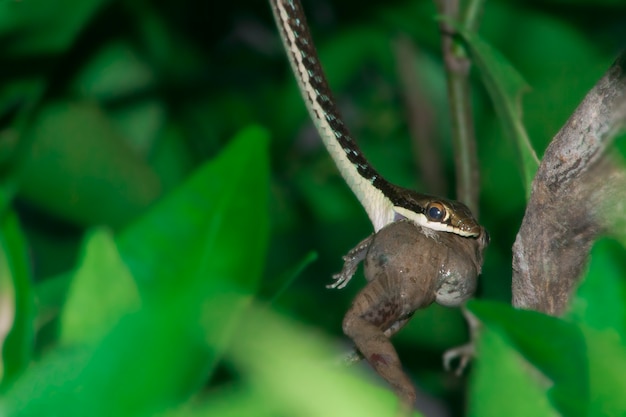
(232, 401)
(117, 70)
(281, 284)
(78, 166)
(205, 240)
(600, 300)
(505, 87)
(598, 308)
(555, 347)
(289, 366)
(503, 383)
(50, 295)
(607, 367)
(102, 290)
(42, 26)
(16, 300)
(222, 203)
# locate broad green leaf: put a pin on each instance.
(119, 72)
(17, 313)
(220, 204)
(555, 347)
(141, 123)
(102, 290)
(205, 240)
(50, 295)
(115, 71)
(171, 157)
(600, 300)
(288, 369)
(79, 167)
(164, 45)
(232, 401)
(291, 367)
(42, 26)
(151, 360)
(598, 308)
(503, 383)
(57, 368)
(290, 276)
(505, 87)
(607, 367)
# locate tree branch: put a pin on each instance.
(457, 74)
(575, 186)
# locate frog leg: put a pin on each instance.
(351, 262)
(370, 313)
(355, 356)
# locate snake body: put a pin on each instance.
(383, 201)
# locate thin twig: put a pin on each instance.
(463, 138)
(576, 194)
(420, 118)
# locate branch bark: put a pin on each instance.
(457, 76)
(573, 198)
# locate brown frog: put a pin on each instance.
(407, 267)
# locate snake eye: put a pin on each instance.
(436, 212)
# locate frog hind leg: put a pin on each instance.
(367, 320)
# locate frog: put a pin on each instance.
(407, 267)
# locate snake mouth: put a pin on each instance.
(420, 219)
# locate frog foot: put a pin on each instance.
(350, 263)
(464, 354)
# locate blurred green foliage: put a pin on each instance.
(162, 254)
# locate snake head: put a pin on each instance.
(454, 214)
(437, 213)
